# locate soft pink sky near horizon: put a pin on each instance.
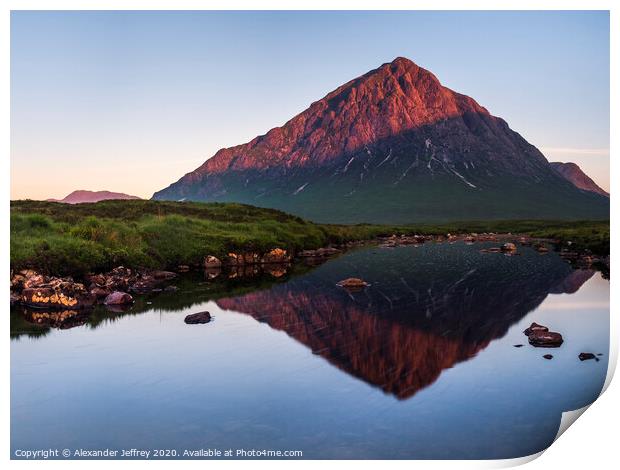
(131, 101)
(596, 157)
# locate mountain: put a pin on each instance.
(575, 175)
(81, 195)
(391, 146)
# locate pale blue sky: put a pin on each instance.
(131, 101)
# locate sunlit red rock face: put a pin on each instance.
(575, 175)
(393, 145)
(383, 104)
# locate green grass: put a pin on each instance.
(74, 239)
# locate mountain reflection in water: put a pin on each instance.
(143, 378)
(427, 308)
(422, 314)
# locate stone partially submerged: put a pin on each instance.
(353, 283)
(509, 247)
(587, 357)
(118, 298)
(534, 327)
(198, 318)
(318, 253)
(545, 339)
(540, 336)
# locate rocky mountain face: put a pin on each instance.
(80, 196)
(393, 145)
(575, 175)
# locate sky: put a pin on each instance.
(131, 101)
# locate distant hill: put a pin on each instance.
(81, 195)
(575, 175)
(391, 146)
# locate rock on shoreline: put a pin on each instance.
(36, 290)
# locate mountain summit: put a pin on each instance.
(393, 145)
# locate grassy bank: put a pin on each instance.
(74, 239)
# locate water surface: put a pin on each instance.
(421, 364)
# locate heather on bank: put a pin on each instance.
(74, 239)
(72, 242)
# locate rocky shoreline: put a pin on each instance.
(39, 291)
(116, 288)
(508, 244)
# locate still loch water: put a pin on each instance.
(421, 364)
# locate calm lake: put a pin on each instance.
(419, 365)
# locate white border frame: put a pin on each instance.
(590, 443)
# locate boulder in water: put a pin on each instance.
(545, 339)
(118, 298)
(353, 283)
(198, 318)
(534, 327)
(509, 247)
(587, 356)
